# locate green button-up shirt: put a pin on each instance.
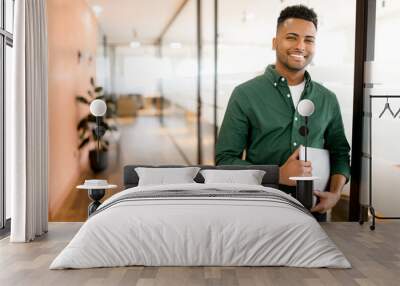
(262, 119)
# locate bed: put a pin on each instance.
(201, 224)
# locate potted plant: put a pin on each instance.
(98, 157)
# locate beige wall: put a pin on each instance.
(72, 27)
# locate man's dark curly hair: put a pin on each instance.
(299, 12)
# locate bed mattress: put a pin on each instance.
(201, 225)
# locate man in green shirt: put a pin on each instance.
(262, 119)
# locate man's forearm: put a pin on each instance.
(337, 183)
(231, 160)
(329, 199)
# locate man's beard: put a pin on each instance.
(293, 68)
(285, 62)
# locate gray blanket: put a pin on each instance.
(203, 194)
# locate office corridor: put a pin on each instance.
(142, 140)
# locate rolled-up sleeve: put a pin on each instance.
(233, 134)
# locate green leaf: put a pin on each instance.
(82, 134)
(83, 124)
(84, 142)
(98, 89)
(91, 118)
(99, 97)
(105, 125)
(104, 146)
(94, 134)
(81, 99)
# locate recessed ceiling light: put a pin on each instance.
(134, 44)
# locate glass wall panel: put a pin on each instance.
(6, 16)
(245, 44)
(207, 81)
(1, 14)
(102, 62)
(2, 136)
(333, 64)
(9, 9)
(385, 126)
(8, 90)
(137, 70)
(179, 81)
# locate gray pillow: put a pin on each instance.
(248, 177)
(164, 176)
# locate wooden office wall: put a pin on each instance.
(72, 27)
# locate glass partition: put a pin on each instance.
(333, 64)
(245, 44)
(102, 62)
(207, 81)
(385, 136)
(6, 59)
(179, 81)
(8, 90)
(2, 136)
(9, 15)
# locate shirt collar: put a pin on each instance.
(277, 79)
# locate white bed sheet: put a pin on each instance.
(200, 231)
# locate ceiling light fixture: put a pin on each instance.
(134, 44)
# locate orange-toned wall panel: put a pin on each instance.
(72, 27)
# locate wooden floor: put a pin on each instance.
(142, 141)
(374, 255)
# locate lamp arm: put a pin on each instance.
(305, 148)
(98, 138)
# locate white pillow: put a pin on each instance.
(248, 177)
(164, 176)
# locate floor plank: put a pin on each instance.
(375, 257)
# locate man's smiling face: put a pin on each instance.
(294, 44)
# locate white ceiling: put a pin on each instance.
(148, 17)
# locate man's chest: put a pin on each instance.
(275, 113)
